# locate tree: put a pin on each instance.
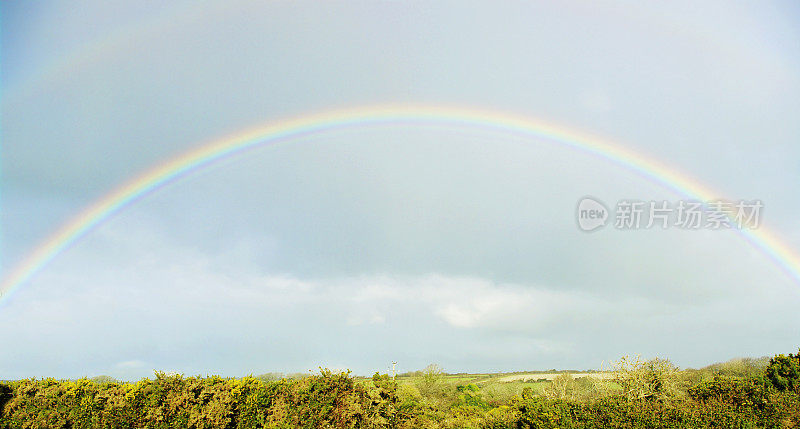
(646, 379)
(432, 373)
(429, 379)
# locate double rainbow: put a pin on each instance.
(464, 118)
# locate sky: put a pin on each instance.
(357, 247)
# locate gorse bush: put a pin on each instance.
(784, 372)
(746, 393)
(327, 399)
(646, 395)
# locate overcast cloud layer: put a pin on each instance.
(351, 249)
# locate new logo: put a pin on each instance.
(591, 213)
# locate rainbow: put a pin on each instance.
(458, 117)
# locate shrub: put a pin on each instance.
(562, 387)
(783, 372)
(470, 396)
(647, 399)
(167, 401)
(430, 377)
(740, 393)
(654, 379)
(6, 393)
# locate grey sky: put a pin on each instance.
(355, 248)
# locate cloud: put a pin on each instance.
(130, 364)
(179, 307)
(470, 302)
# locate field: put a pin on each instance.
(763, 392)
(506, 385)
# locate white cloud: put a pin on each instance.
(179, 307)
(128, 364)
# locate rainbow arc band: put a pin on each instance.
(412, 115)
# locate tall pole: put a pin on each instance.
(394, 370)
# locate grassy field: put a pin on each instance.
(505, 385)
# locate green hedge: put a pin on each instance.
(337, 400)
(173, 401)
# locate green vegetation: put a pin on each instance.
(740, 393)
(784, 372)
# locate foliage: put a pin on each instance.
(271, 376)
(654, 379)
(430, 376)
(434, 390)
(326, 399)
(784, 372)
(647, 395)
(738, 367)
(103, 379)
(470, 396)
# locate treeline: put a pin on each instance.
(651, 393)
